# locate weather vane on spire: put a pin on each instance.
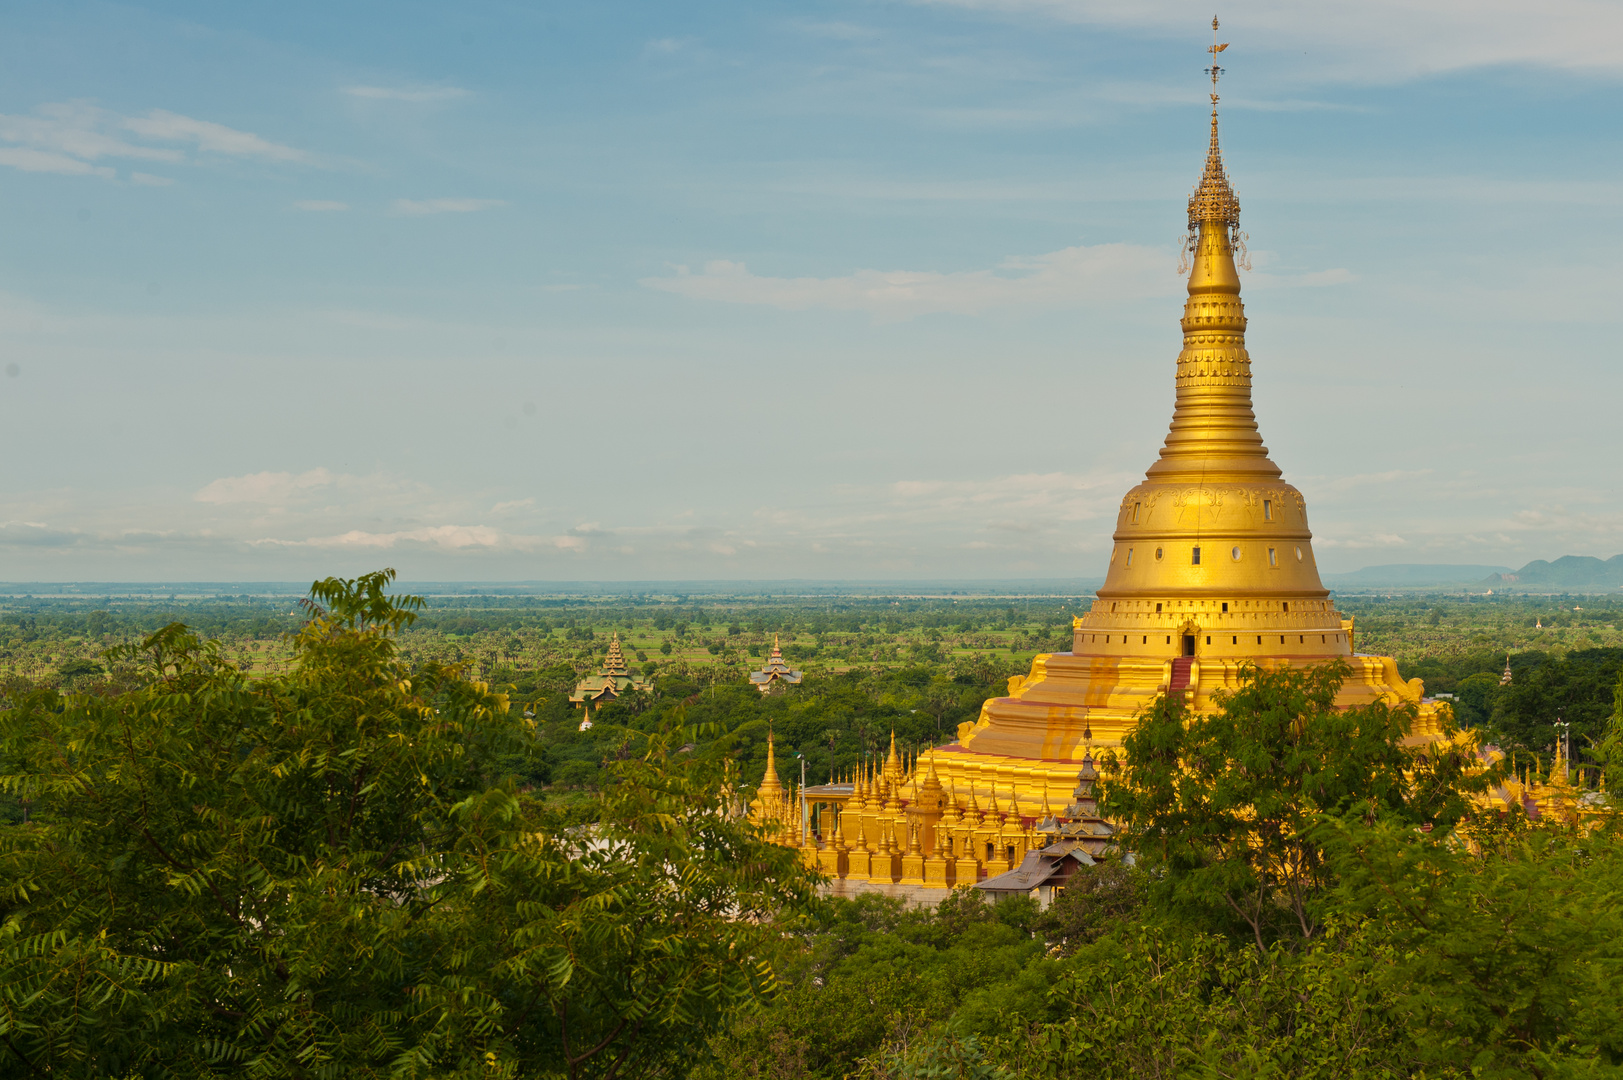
(1214, 71)
(1213, 201)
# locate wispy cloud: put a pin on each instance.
(209, 136)
(1315, 279)
(264, 487)
(834, 29)
(1377, 39)
(80, 131)
(1361, 542)
(407, 93)
(148, 180)
(70, 138)
(43, 161)
(320, 205)
(1072, 277)
(667, 46)
(448, 537)
(420, 207)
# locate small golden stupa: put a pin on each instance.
(1211, 568)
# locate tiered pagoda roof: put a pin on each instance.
(614, 678)
(776, 673)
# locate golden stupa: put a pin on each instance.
(1211, 568)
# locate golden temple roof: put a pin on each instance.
(614, 678)
(615, 662)
(775, 673)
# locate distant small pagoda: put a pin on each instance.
(776, 674)
(614, 678)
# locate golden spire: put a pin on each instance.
(1213, 199)
(1214, 434)
(770, 784)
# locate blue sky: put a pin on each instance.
(746, 290)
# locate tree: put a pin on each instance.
(1576, 688)
(1610, 749)
(1474, 698)
(329, 873)
(1499, 957)
(1096, 900)
(1224, 808)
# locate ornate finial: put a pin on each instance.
(1214, 71)
(1213, 200)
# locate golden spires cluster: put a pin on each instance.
(1552, 797)
(893, 822)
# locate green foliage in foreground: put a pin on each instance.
(334, 871)
(1227, 807)
(1432, 962)
(326, 874)
(1288, 915)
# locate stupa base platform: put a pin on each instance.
(1030, 744)
(916, 896)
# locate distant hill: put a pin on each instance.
(1569, 572)
(1412, 576)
